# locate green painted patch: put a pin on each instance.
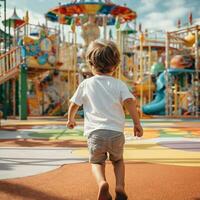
(52, 131)
(171, 134)
(58, 134)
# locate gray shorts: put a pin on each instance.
(102, 143)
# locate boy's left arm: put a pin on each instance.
(130, 105)
(73, 108)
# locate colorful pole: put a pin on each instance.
(142, 38)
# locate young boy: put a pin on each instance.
(103, 98)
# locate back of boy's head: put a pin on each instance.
(103, 55)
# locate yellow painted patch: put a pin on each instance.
(163, 155)
(152, 153)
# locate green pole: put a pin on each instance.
(5, 100)
(17, 96)
(10, 104)
(5, 36)
(1, 97)
(23, 92)
(4, 87)
(1, 93)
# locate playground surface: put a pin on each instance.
(42, 159)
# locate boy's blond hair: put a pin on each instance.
(103, 55)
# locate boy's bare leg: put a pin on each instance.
(119, 170)
(99, 173)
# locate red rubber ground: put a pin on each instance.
(144, 181)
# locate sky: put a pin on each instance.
(152, 14)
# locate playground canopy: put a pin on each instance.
(14, 21)
(64, 14)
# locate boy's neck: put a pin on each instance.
(102, 74)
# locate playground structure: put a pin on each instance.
(151, 58)
(148, 53)
(177, 87)
(31, 57)
(182, 80)
(47, 64)
(47, 82)
(89, 16)
(142, 61)
(37, 56)
(40, 69)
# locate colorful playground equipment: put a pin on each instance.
(105, 13)
(177, 88)
(46, 68)
(157, 106)
(37, 53)
(47, 87)
(176, 72)
(11, 68)
(40, 52)
(88, 15)
(148, 50)
(182, 83)
(29, 60)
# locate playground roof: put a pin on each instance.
(66, 12)
(14, 21)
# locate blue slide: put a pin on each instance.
(157, 106)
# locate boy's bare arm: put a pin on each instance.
(130, 105)
(73, 108)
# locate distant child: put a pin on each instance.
(103, 98)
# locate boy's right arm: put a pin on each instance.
(73, 108)
(76, 102)
(130, 105)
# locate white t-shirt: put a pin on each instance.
(102, 97)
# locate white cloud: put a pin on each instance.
(156, 20)
(12, 4)
(167, 19)
(179, 12)
(154, 14)
(175, 4)
(148, 5)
